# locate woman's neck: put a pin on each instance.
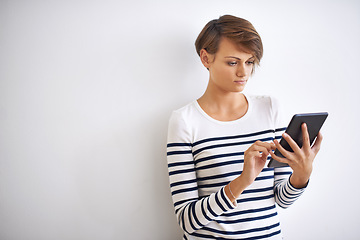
(222, 105)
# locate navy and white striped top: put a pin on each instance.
(204, 155)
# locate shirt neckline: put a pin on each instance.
(244, 117)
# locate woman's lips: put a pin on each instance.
(240, 82)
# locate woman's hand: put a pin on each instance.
(254, 160)
(301, 160)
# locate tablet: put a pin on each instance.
(314, 122)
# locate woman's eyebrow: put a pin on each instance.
(238, 58)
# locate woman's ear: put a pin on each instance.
(205, 58)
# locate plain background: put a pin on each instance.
(87, 87)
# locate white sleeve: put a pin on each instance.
(191, 211)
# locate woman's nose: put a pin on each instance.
(241, 71)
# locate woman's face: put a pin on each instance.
(230, 68)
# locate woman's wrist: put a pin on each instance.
(234, 189)
(298, 182)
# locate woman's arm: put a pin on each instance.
(191, 211)
(289, 189)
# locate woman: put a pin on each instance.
(218, 146)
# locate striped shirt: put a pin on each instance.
(204, 155)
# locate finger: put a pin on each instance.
(264, 156)
(262, 149)
(255, 151)
(260, 146)
(263, 144)
(292, 143)
(306, 138)
(273, 146)
(317, 144)
(282, 150)
(280, 159)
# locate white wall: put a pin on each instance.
(86, 89)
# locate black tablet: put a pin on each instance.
(314, 122)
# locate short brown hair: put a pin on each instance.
(236, 29)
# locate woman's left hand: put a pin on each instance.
(301, 160)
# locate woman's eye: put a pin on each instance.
(250, 62)
(232, 63)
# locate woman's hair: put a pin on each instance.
(238, 30)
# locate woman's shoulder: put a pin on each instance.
(183, 113)
(180, 122)
(186, 110)
(268, 100)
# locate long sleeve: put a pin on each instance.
(191, 211)
(285, 193)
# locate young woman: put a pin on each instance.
(219, 145)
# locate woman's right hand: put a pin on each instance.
(254, 160)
